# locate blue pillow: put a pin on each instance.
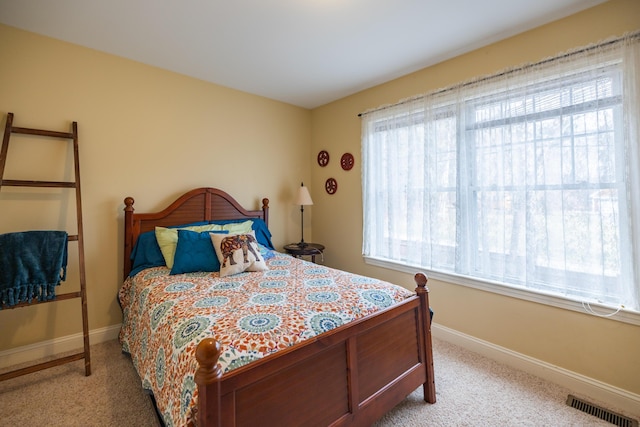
(146, 252)
(265, 252)
(194, 252)
(263, 235)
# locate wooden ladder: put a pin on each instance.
(82, 294)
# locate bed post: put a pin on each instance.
(429, 387)
(265, 210)
(128, 235)
(208, 378)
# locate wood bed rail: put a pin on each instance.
(429, 387)
(207, 354)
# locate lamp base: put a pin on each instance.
(302, 244)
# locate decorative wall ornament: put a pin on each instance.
(323, 158)
(331, 186)
(346, 161)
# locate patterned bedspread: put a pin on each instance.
(251, 314)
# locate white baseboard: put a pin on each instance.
(29, 353)
(613, 397)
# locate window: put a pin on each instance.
(527, 180)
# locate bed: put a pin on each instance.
(348, 367)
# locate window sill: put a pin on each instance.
(624, 315)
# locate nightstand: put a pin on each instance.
(310, 249)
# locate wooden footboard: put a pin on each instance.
(351, 375)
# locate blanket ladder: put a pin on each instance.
(82, 294)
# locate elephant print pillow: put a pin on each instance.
(238, 253)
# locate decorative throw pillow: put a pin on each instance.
(146, 253)
(194, 252)
(265, 251)
(168, 239)
(238, 253)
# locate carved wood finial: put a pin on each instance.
(421, 281)
(128, 202)
(207, 354)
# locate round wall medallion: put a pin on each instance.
(346, 161)
(323, 158)
(331, 186)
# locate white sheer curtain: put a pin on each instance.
(529, 178)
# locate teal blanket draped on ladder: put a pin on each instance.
(32, 264)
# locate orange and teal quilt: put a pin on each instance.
(252, 314)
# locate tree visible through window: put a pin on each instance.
(527, 179)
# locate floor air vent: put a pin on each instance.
(603, 414)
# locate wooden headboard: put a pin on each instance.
(201, 204)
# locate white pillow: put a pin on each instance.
(238, 253)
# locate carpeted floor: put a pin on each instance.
(64, 396)
(471, 391)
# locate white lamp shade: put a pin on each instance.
(303, 198)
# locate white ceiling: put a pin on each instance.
(303, 52)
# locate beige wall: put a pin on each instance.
(605, 350)
(152, 134)
(146, 133)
